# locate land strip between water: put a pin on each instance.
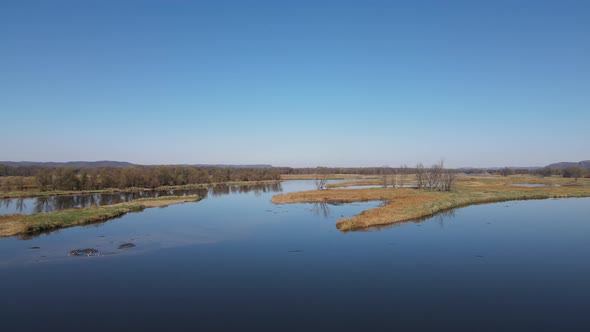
(405, 204)
(19, 224)
(31, 194)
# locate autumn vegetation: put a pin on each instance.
(404, 204)
(47, 179)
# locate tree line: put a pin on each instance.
(88, 178)
(435, 177)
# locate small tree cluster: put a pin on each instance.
(436, 177)
(572, 172)
(506, 171)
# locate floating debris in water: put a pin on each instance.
(295, 250)
(34, 247)
(126, 245)
(84, 252)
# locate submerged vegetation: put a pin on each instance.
(15, 224)
(404, 204)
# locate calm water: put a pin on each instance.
(55, 203)
(238, 262)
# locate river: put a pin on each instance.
(235, 261)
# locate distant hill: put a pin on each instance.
(102, 163)
(108, 163)
(581, 164)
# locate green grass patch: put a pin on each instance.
(40, 222)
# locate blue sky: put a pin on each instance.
(296, 83)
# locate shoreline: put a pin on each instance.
(30, 224)
(404, 204)
(33, 194)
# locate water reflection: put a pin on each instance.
(440, 218)
(443, 216)
(321, 209)
(257, 189)
(56, 203)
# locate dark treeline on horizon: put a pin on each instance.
(96, 178)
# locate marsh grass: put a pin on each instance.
(15, 224)
(404, 204)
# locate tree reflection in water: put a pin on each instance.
(55, 203)
(321, 209)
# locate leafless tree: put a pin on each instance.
(394, 178)
(402, 175)
(448, 179)
(383, 177)
(320, 181)
(572, 172)
(420, 176)
(505, 171)
(434, 175)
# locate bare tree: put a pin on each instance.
(394, 178)
(505, 171)
(434, 174)
(448, 179)
(402, 175)
(320, 181)
(572, 172)
(420, 176)
(383, 177)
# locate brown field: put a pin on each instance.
(410, 204)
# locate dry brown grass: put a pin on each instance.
(354, 183)
(409, 180)
(410, 204)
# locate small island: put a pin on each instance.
(405, 204)
(17, 224)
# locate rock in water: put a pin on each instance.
(84, 252)
(126, 245)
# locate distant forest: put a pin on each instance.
(96, 178)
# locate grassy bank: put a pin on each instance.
(477, 180)
(36, 193)
(15, 224)
(410, 204)
(374, 182)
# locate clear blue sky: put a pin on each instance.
(296, 83)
